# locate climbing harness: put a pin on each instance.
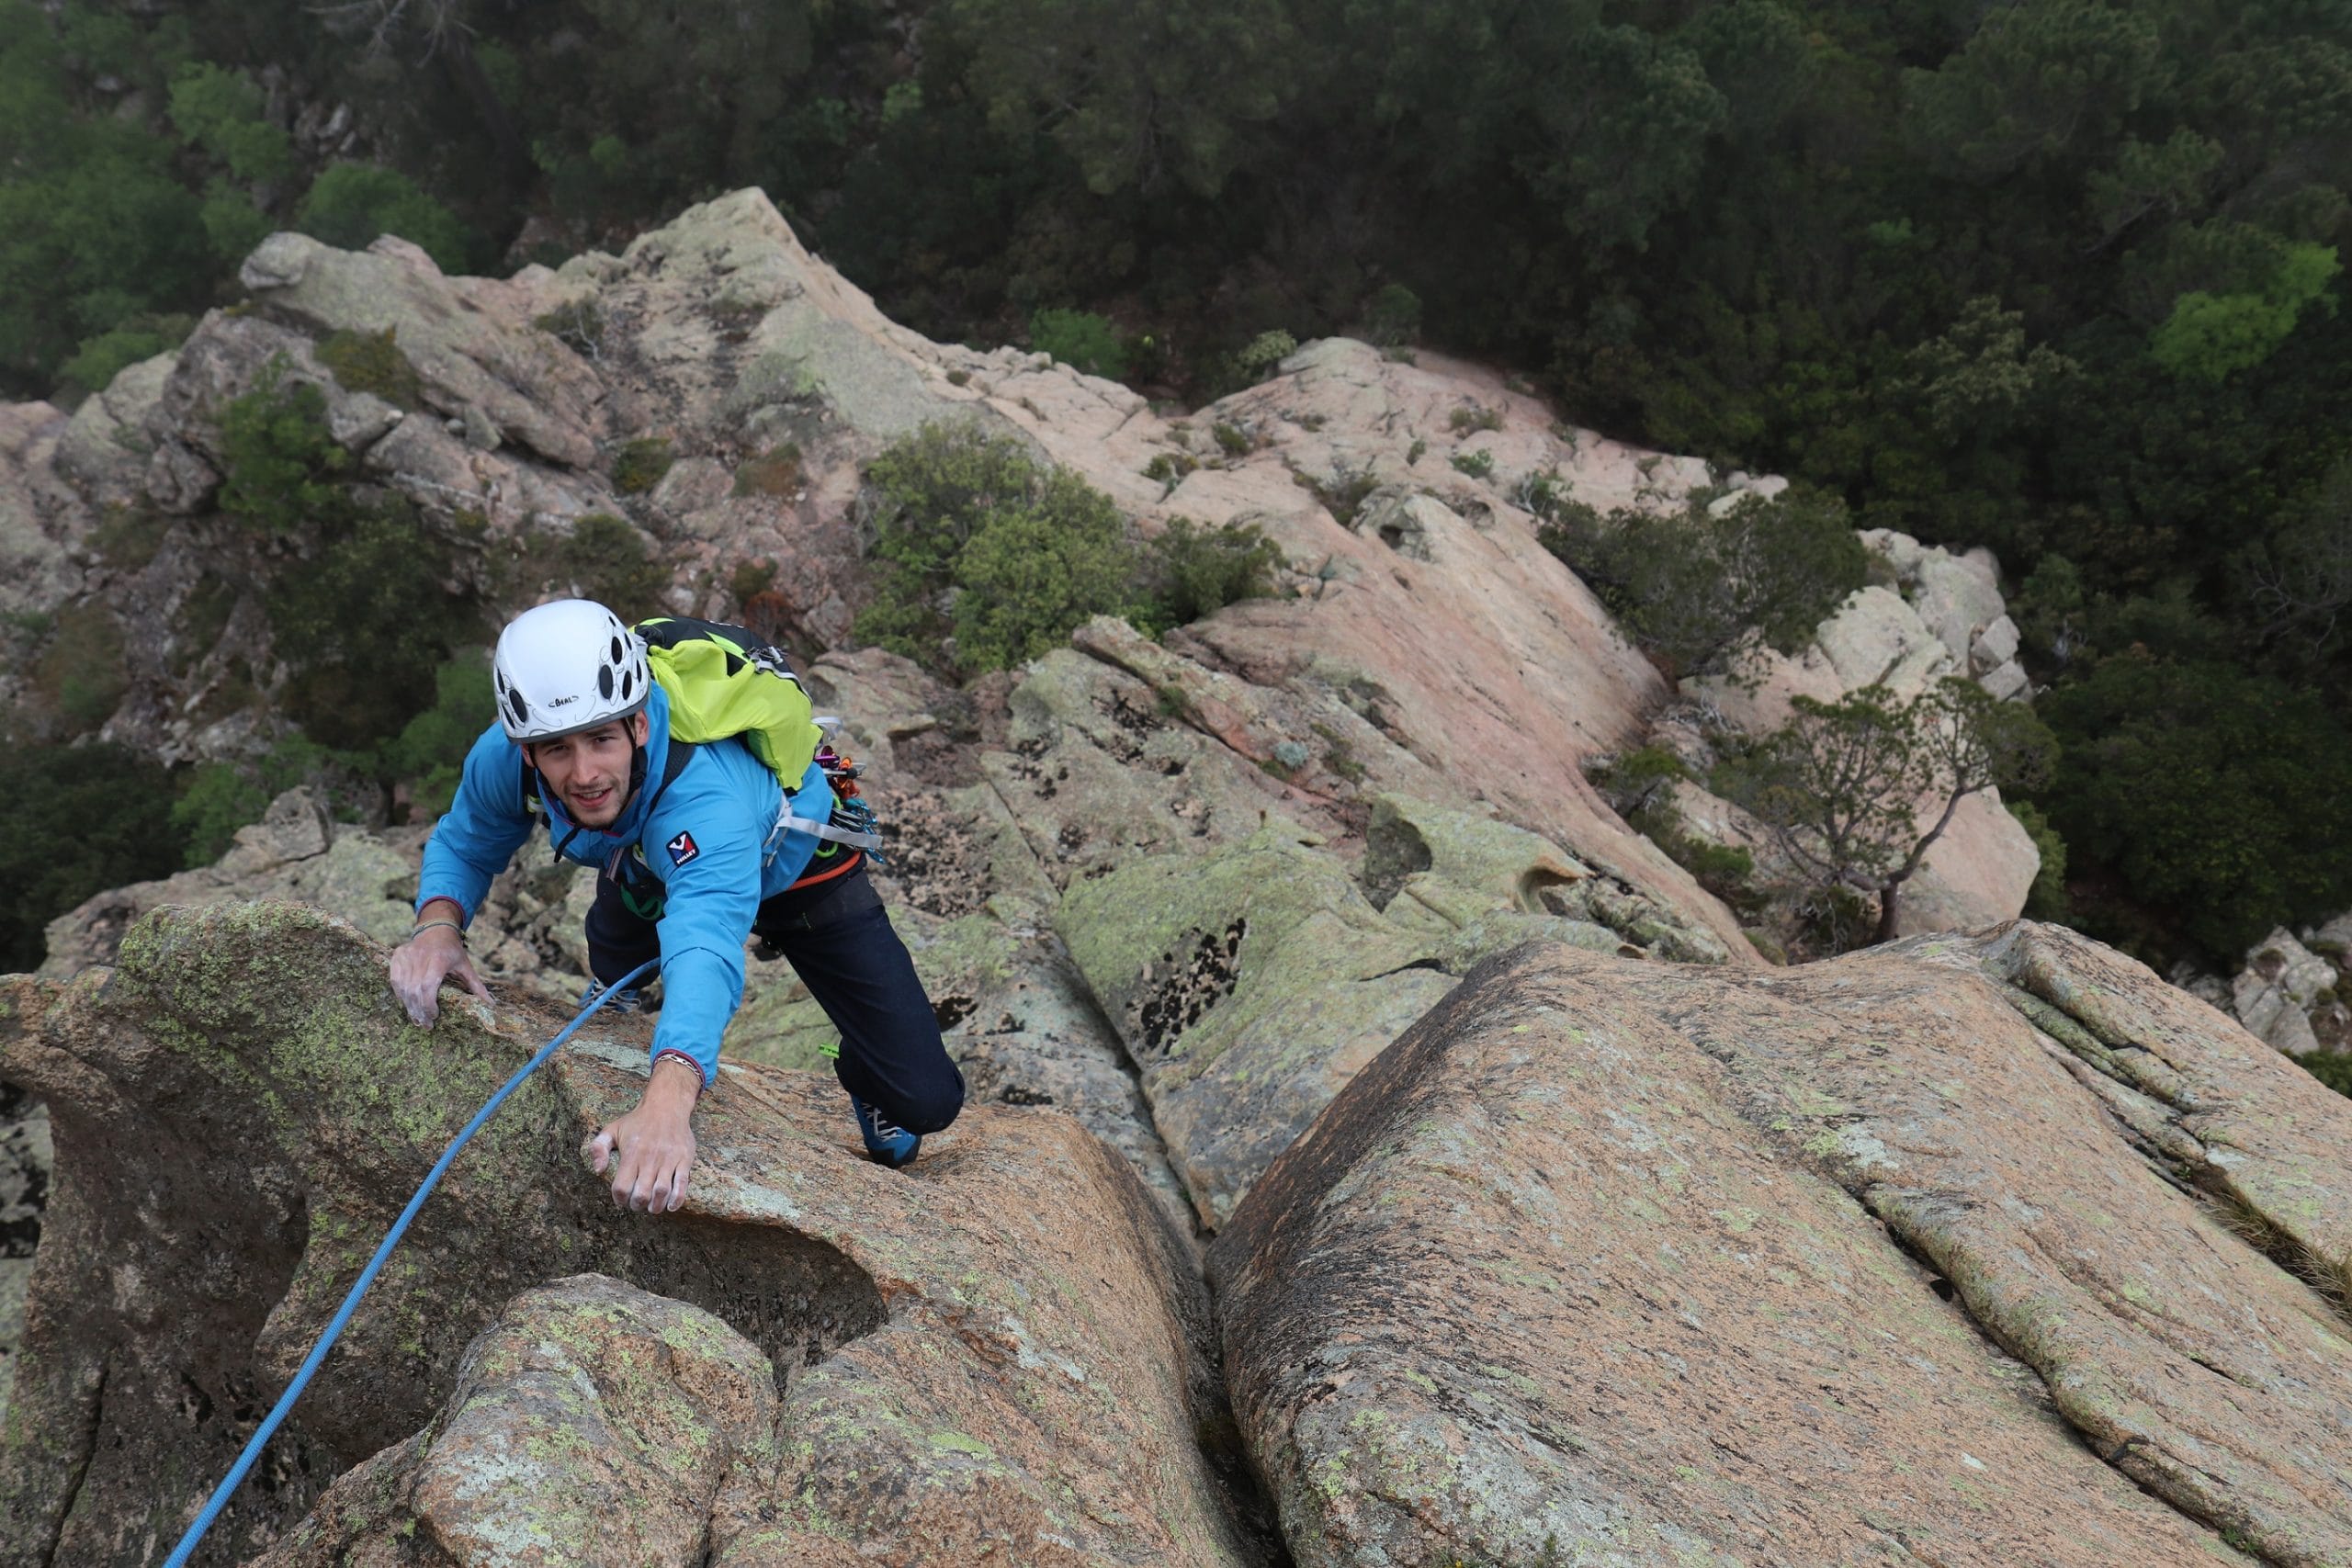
(268, 1427)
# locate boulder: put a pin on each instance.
(591, 1424)
(1975, 1250)
(1249, 983)
(2282, 983)
(1010, 1331)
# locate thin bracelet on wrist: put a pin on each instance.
(423, 926)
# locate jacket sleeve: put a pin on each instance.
(481, 831)
(706, 849)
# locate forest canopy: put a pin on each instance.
(2062, 277)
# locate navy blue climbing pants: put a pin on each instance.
(838, 939)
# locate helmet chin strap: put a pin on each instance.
(635, 771)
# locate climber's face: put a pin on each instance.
(588, 771)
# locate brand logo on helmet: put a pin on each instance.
(561, 702)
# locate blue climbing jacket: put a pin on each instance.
(707, 840)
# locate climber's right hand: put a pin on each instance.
(421, 962)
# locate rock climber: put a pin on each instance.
(693, 857)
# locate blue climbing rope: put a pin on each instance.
(262, 1433)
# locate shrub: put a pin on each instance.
(372, 361)
(638, 464)
(100, 360)
(1231, 439)
(1033, 573)
(81, 675)
(600, 556)
(2047, 898)
(1264, 354)
(1393, 318)
(1081, 340)
(1170, 467)
(579, 324)
(99, 817)
(2333, 1068)
(429, 752)
(359, 624)
(1344, 494)
(775, 471)
(350, 204)
(979, 542)
(1471, 418)
(1197, 572)
(1699, 593)
(2221, 799)
(283, 466)
(1477, 465)
(128, 536)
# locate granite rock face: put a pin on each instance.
(592, 1423)
(1014, 1333)
(1249, 983)
(1977, 1250)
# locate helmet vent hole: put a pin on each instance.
(604, 682)
(629, 679)
(522, 709)
(616, 650)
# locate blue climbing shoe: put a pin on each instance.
(628, 998)
(887, 1143)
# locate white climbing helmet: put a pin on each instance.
(566, 667)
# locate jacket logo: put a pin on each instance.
(682, 848)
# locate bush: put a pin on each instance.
(638, 466)
(90, 818)
(774, 472)
(218, 798)
(429, 752)
(1196, 571)
(2047, 898)
(359, 624)
(1699, 593)
(1081, 340)
(1393, 318)
(2333, 1068)
(602, 557)
(372, 361)
(283, 466)
(81, 675)
(100, 360)
(1477, 465)
(350, 204)
(2221, 799)
(982, 543)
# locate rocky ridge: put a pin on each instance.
(1972, 1250)
(1546, 1224)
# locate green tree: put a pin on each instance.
(350, 204)
(1081, 340)
(2038, 81)
(1147, 93)
(100, 817)
(1843, 787)
(221, 112)
(1701, 591)
(2210, 337)
(988, 557)
(283, 467)
(2220, 798)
